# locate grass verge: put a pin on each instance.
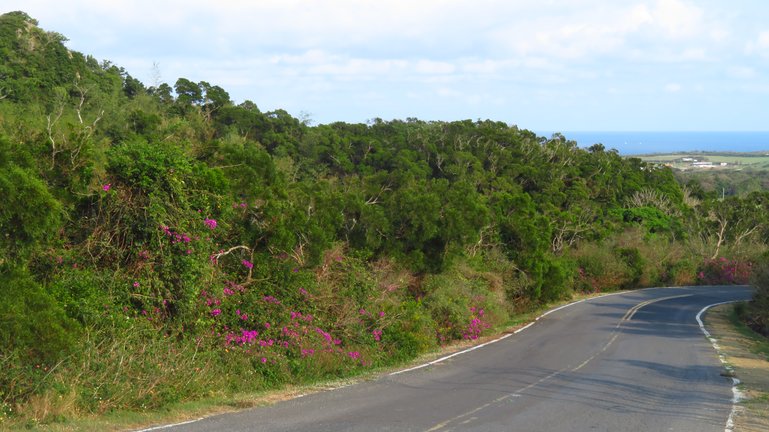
(748, 353)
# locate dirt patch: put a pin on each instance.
(745, 353)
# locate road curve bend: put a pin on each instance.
(635, 361)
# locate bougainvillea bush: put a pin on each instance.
(724, 271)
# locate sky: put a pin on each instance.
(548, 65)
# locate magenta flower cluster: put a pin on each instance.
(723, 271)
(477, 324)
(210, 223)
(175, 236)
(245, 337)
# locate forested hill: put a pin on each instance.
(152, 238)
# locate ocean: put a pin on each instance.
(630, 143)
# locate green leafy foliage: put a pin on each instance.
(756, 314)
(29, 214)
(188, 237)
(33, 326)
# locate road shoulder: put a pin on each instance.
(748, 355)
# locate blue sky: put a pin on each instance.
(544, 65)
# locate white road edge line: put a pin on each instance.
(737, 394)
(169, 425)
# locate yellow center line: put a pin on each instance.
(628, 316)
(615, 333)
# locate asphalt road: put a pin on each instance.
(636, 361)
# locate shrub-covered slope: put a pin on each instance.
(160, 244)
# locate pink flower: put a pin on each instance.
(248, 264)
(264, 360)
(271, 299)
(106, 187)
(381, 314)
(216, 312)
(136, 284)
(210, 223)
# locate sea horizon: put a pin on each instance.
(643, 142)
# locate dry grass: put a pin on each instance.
(49, 406)
(750, 365)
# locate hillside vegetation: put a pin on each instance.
(164, 244)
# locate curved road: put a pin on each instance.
(636, 361)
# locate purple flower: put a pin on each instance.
(248, 264)
(210, 223)
(271, 299)
(106, 187)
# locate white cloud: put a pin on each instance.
(322, 56)
(651, 28)
(742, 72)
(759, 45)
(430, 67)
(679, 19)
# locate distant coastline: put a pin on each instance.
(633, 143)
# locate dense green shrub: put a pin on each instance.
(599, 268)
(756, 313)
(635, 265)
(463, 303)
(29, 214)
(32, 323)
